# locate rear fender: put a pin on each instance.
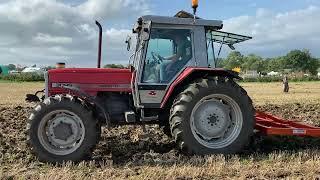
(190, 74)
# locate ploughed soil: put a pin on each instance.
(130, 145)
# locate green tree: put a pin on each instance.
(11, 67)
(314, 65)
(301, 61)
(295, 60)
(253, 62)
(274, 64)
(234, 59)
(220, 62)
(114, 66)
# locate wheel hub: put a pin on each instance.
(216, 121)
(63, 131)
(212, 119)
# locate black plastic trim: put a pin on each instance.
(151, 105)
(152, 87)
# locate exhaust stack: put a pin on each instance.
(99, 44)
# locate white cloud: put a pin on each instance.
(46, 31)
(276, 33)
(113, 9)
(47, 38)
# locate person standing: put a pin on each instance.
(285, 84)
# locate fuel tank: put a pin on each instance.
(89, 80)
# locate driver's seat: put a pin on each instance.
(166, 76)
(163, 75)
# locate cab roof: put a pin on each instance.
(184, 18)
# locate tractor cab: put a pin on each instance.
(167, 46)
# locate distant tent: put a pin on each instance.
(4, 70)
(32, 70)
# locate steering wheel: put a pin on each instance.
(157, 57)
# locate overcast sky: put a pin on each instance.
(43, 32)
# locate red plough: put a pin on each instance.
(272, 125)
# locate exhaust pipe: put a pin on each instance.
(99, 44)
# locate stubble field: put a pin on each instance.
(128, 153)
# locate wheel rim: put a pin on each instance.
(216, 121)
(61, 132)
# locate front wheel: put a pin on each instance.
(62, 129)
(212, 116)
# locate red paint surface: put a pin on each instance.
(272, 125)
(184, 75)
(91, 76)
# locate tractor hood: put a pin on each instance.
(89, 80)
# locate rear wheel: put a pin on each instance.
(62, 129)
(212, 116)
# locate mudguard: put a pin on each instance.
(90, 99)
(191, 73)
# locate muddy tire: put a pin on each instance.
(62, 128)
(212, 116)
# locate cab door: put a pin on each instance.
(167, 53)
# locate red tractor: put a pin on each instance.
(173, 82)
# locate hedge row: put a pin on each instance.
(23, 77)
(29, 77)
(279, 79)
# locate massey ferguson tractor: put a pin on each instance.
(173, 81)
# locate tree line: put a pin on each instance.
(294, 61)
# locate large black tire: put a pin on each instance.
(182, 110)
(90, 129)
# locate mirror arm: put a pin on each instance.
(220, 47)
(212, 46)
(131, 58)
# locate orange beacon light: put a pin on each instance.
(194, 4)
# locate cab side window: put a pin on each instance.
(169, 50)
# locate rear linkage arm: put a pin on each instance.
(35, 97)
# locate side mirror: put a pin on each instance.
(128, 42)
(145, 31)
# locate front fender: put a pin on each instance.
(90, 99)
